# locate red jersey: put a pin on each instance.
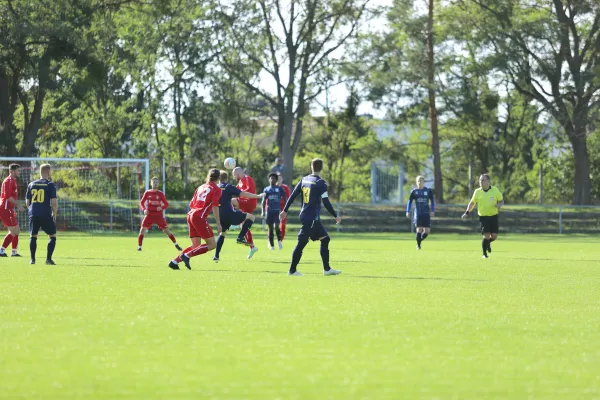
(152, 200)
(9, 189)
(287, 191)
(246, 184)
(205, 198)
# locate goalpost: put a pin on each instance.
(94, 194)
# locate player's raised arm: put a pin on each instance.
(249, 195)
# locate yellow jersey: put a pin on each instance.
(486, 201)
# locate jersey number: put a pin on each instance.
(37, 195)
(202, 196)
(306, 194)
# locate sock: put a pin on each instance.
(15, 243)
(7, 240)
(297, 254)
(325, 253)
(249, 239)
(282, 229)
(220, 242)
(140, 239)
(418, 238)
(196, 251)
(423, 236)
(178, 258)
(271, 236)
(484, 246)
(51, 246)
(32, 247)
(278, 233)
(245, 227)
(172, 237)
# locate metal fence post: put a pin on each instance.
(560, 220)
(111, 216)
(401, 183)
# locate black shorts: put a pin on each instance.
(231, 218)
(273, 218)
(422, 220)
(489, 224)
(44, 223)
(312, 230)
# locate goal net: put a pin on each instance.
(94, 195)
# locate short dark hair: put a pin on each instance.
(213, 175)
(316, 165)
(14, 167)
(273, 174)
(224, 176)
(486, 176)
(45, 168)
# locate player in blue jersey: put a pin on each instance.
(230, 216)
(271, 207)
(43, 207)
(423, 213)
(314, 191)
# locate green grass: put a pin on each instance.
(109, 322)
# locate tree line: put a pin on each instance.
(508, 87)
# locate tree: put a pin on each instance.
(550, 51)
(260, 41)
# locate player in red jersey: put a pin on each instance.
(287, 191)
(153, 203)
(247, 205)
(206, 198)
(8, 201)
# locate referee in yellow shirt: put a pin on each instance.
(488, 200)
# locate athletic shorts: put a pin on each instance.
(422, 220)
(312, 230)
(46, 224)
(198, 226)
(229, 218)
(154, 219)
(273, 217)
(489, 224)
(8, 217)
(247, 205)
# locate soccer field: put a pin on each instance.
(110, 322)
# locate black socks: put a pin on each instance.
(51, 246)
(32, 247)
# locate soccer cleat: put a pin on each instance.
(252, 252)
(32, 262)
(173, 265)
(280, 244)
(50, 262)
(139, 248)
(16, 255)
(295, 273)
(178, 247)
(216, 259)
(243, 241)
(271, 247)
(332, 272)
(418, 247)
(484, 256)
(3, 255)
(186, 261)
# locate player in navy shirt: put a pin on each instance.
(230, 216)
(43, 207)
(423, 213)
(272, 203)
(314, 191)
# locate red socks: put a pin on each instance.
(172, 237)
(249, 238)
(140, 239)
(15, 242)
(282, 230)
(197, 251)
(7, 240)
(178, 259)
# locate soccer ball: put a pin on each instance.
(229, 163)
